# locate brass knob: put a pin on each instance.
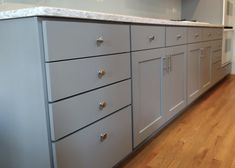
(101, 73)
(102, 105)
(103, 137)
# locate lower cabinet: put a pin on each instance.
(199, 69)
(175, 81)
(147, 69)
(100, 145)
(159, 82)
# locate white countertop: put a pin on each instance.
(73, 13)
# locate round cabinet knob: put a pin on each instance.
(151, 38)
(101, 73)
(209, 34)
(102, 105)
(103, 137)
(99, 40)
(196, 35)
(179, 36)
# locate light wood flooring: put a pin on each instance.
(202, 137)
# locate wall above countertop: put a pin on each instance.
(164, 9)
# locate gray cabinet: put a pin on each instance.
(175, 81)
(205, 67)
(147, 73)
(199, 69)
(194, 53)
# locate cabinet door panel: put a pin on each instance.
(194, 53)
(147, 99)
(175, 81)
(205, 67)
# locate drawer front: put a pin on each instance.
(208, 34)
(216, 51)
(146, 37)
(218, 33)
(68, 78)
(72, 114)
(101, 145)
(176, 36)
(194, 35)
(67, 40)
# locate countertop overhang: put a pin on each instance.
(88, 15)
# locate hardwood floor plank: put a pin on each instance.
(202, 137)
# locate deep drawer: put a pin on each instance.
(146, 37)
(67, 40)
(72, 114)
(194, 35)
(69, 78)
(176, 36)
(100, 145)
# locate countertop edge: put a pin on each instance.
(88, 15)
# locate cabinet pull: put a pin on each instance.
(100, 40)
(165, 65)
(196, 35)
(101, 73)
(103, 137)
(209, 34)
(151, 38)
(102, 105)
(179, 36)
(170, 64)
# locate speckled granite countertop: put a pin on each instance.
(73, 13)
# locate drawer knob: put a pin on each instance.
(151, 38)
(209, 34)
(102, 105)
(196, 35)
(100, 40)
(103, 137)
(179, 36)
(101, 73)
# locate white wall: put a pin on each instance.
(166, 9)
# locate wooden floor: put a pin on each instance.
(203, 137)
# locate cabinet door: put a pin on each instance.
(205, 67)
(175, 81)
(147, 69)
(194, 53)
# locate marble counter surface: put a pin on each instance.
(72, 13)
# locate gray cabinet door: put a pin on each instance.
(194, 53)
(205, 67)
(175, 81)
(147, 69)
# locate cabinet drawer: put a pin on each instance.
(176, 36)
(218, 33)
(67, 40)
(101, 145)
(145, 37)
(68, 78)
(209, 34)
(216, 51)
(72, 114)
(194, 35)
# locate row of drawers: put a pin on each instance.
(68, 40)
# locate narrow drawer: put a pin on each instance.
(216, 51)
(194, 35)
(72, 114)
(176, 36)
(67, 40)
(101, 145)
(218, 33)
(208, 34)
(68, 78)
(146, 37)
